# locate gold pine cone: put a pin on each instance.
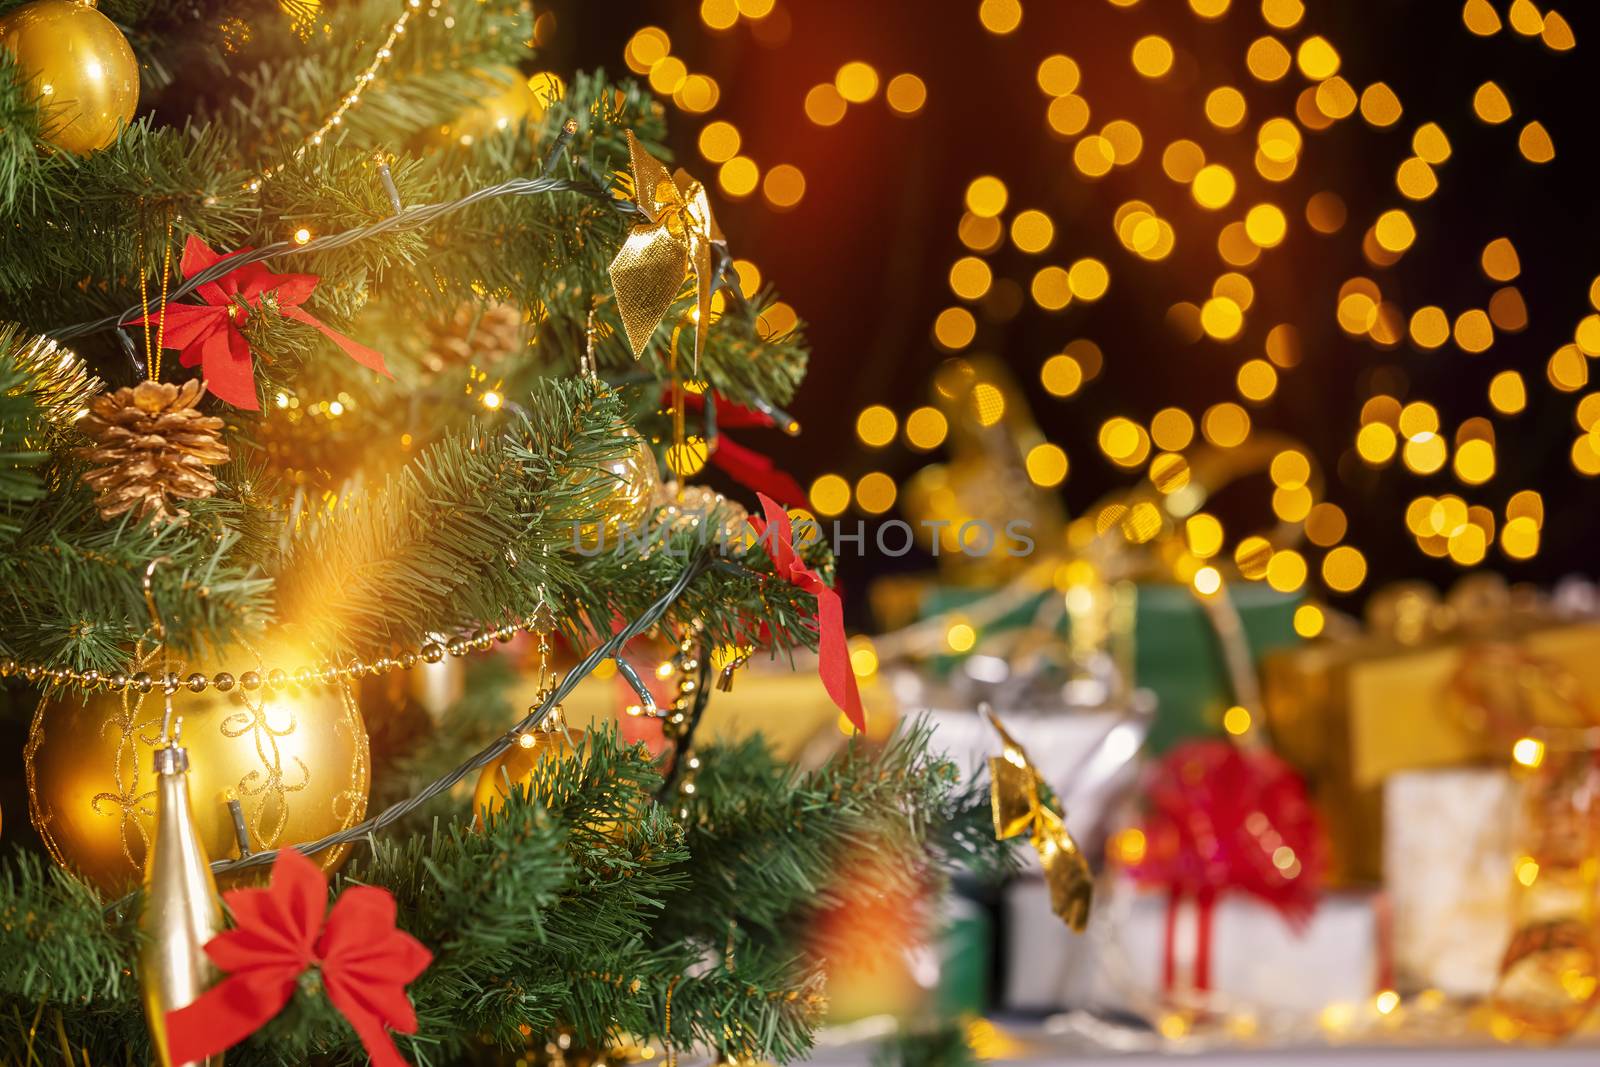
(478, 334)
(151, 447)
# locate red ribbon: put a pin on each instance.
(279, 932)
(833, 655)
(208, 334)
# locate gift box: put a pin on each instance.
(1350, 714)
(1449, 849)
(1175, 651)
(1256, 960)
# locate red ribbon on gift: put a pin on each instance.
(833, 654)
(1223, 817)
(279, 933)
(208, 334)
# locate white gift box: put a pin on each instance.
(1257, 960)
(1449, 844)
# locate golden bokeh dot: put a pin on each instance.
(1585, 457)
(1225, 425)
(1169, 472)
(926, 428)
(856, 81)
(1519, 538)
(1061, 375)
(1235, 246)
(1290, 469)
(1507, 309)
(1267, 59)
(1336, 98)
(719, 14)
(1535, 144)
(1032, 231)
(1394, 230)
(1125, 139)
(1088, 279)
(1058, 75)
(1251, 555)
(784, 186)
(1088, 355)
(1172, 429)
(1257, 380)
(980, 233)
(1308, 621)
(1182, 160)
(1068, 114)
(1376, 443)
(1526, 503)
(1357, 313)
(1326, 212)
(1489, 103)
(1051, 289)
(1291, 505)
(1282, 14)
(1430, 327)
(1152, 56)
(1235, 287)
(1209, 9)
(1213, 186)
(970, 277)
(986, 196)
(1474, 462)
(1568, 370)
(1557, 34)
(1204, 534)
(824, 106)
(906, 94)
(667, 74)
(1344, 569)
(1481, 18)
(1266, 225)
(954, 329)
(875, 492)
(1500, 260)
(1468, 545)
(1283, 345)
(1379, 105)
(876, 426)
(1430, 143)
(1473, 331)
(738, 176)
(1286, 570)
(1124, 441)
(1587, 335)
(1507, 393)
(1525, 18)
(1279, 140)
(1225, 107)
(830, 495)
(1094, 156)
(1326, 524)
(1221, 318)
(1425, 453)
(1000, 17)
(719, 141)
(749, 277)
(699, 93)
(1415, 179)
(1418, 417)
(1317, 58)
(1046, 465)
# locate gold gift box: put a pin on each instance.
(1350, 713)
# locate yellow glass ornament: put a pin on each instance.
(509, 98)
(625, 507)
(80, 65)
(517, 764)
(294, 757)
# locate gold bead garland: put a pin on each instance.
(273, 679)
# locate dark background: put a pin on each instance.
(865, 256)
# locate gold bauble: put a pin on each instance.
(516, 765)
(81, 67)
(294, 758)
(509, 98)
(631, 498)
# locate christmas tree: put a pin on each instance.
(336, 346)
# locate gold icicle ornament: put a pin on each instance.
(1014, 792)
(650, 269)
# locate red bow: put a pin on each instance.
(751, 469)
(279, 932)
(208, 334)
(1222, 817)
(777, 535)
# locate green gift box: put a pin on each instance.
(1176, 652)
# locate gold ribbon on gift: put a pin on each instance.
(654, 261)
(1014, 788)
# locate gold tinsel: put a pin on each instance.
(54, 376)
(150, 448)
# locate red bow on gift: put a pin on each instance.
(208, 334)
(777, 535)
(279, 932)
